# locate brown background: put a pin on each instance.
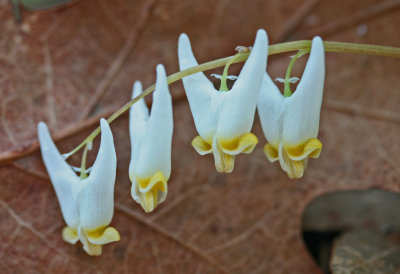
(70, 66)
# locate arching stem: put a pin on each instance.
(272, 49)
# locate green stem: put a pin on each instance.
(287, 92)
(273, 49)
(84, 174)
(224, 76)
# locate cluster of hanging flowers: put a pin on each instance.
(223, 119)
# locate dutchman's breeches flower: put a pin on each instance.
(151, 139)
(224, 119)
(291, 124)
(87, 205)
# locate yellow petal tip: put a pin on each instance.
(226, 165)
(201, 146)
(294, 159)
(312, 148)
(70, 235)
(271, 153)
(103, 235)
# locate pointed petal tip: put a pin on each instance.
(41, 126)
(161, 82)
(105, 130)
(317, 45)
(262, 34)
(183, 38)
(160, 71)
(184, 46)
(43, 134)
(137, 89)
(103, 123)
(317, 39)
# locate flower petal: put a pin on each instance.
(150, 192)
(270, 107)
(138, 119)
(293, 168)
(96, 199)
(244, 144)
(218, 156)
(224, 162)
(271, 153)
(90, 249)
(65, 182)
(155, 151)
(301, 121)
(70, 235)
(238, 113)
(201, 146)
(103, 236)
(312, 148)
(199, 90)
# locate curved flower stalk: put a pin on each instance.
(151, 139)
(291, 124)
(224, 119)
(87, 205)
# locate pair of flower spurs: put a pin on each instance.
(223, 120)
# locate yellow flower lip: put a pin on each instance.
(271, 153)
(225, 150)
(70, 235)
(244, 144)
(103, 235)
(294, 159)
(147, 190)
(201, 146)
(312, 148)
(92, 240)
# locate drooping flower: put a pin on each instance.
(291, 124)
(87, 205)
(151, 139)
(224, 119)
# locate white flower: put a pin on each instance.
(224, 119)
(87, 205)
(151, 139)
(291, 124)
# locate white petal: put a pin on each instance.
(65, 182)
(270, 109)
(301, 120)
(199, 89)
(238, 113)
(155, 153)
(96, 199)
(138, 114)
(138, 117)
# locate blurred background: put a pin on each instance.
(73, 63)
